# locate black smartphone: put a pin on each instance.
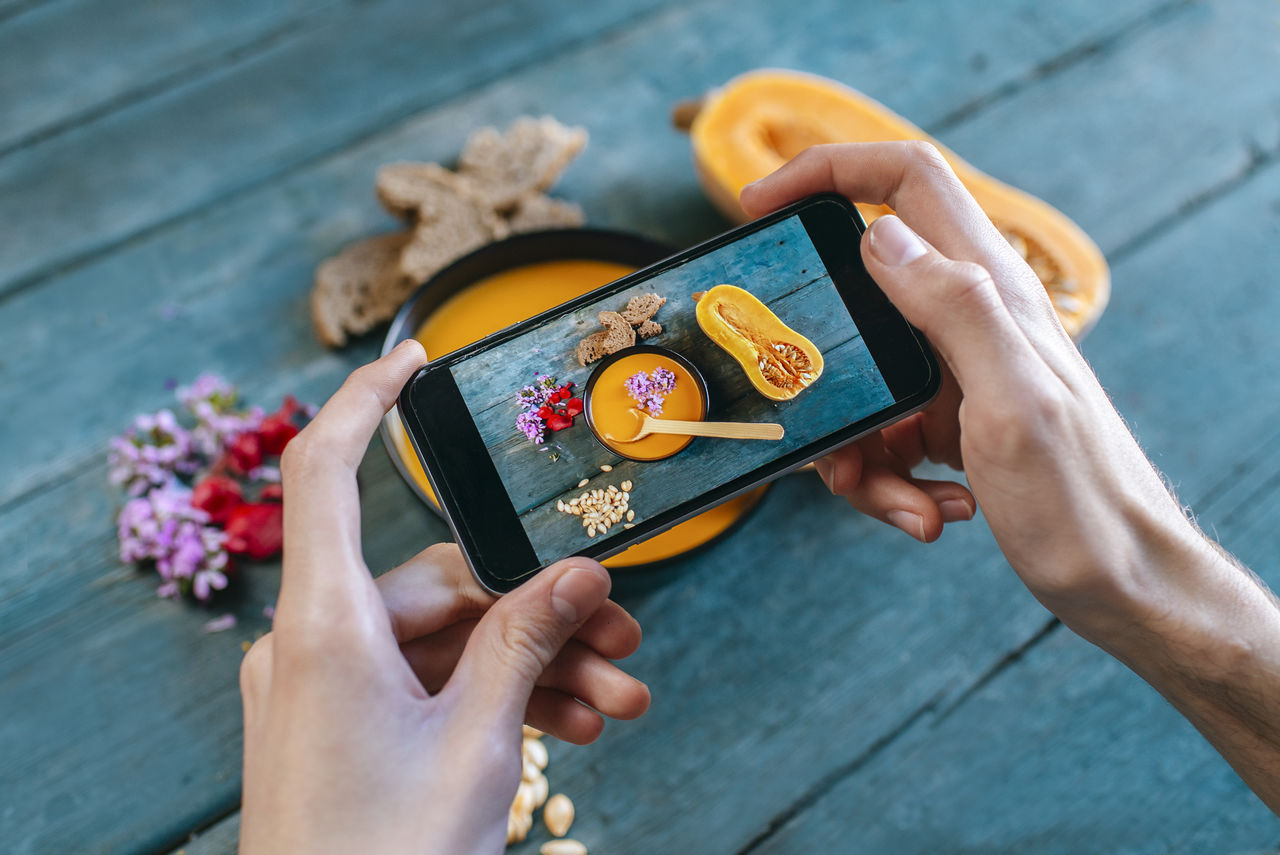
(534, 438)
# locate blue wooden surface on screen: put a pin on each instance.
(780, 266)
(171, 173)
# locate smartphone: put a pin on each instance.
(529, 436)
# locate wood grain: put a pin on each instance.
(363, 68)
(62, 64)
(126, 733)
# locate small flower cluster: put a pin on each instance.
(543, 406)
(188, 511)
(164, 527)
(650, 390)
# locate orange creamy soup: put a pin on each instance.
(512, 296)
(610, 405)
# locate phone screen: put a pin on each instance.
(556, 430)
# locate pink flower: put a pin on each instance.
(150, 453)
(164, 528)
(651, 390)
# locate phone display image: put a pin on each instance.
(571, 411)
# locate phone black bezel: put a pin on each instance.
(462, 473)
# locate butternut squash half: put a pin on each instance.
(779, 362)
(758, 121)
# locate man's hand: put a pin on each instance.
(1076, 507)
(385, 716)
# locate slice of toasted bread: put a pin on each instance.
(403, 187)
(620, 333)
(534, 213)
(358, 288)
(450, 224)
(591, 348)
(648, 329)
(527, 159)
(642, 307)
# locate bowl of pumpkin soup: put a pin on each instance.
(638, 381)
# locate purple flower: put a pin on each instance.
(150, 453)
(212, 400)
(531, 425)
(532, 398)
(650, 390)
(163, 527)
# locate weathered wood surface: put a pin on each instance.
(780, 266)
(88, 75)
(359, 70)
(125, 735)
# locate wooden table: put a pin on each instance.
(170, 174)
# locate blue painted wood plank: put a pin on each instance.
(358, 70)
(250, 259)
(67, 62)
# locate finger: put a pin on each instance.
(954, 303)
(914, 178)
(580, 672)
(322, 559)
(436, 588)
(563, 717)
(431, 591)
(611, 631)
(955, 501)
(519, 637)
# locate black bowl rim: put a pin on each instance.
(674, 356)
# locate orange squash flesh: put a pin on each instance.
(779, 362)
(758, 121)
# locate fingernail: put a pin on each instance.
(893, 243)
(575, 593)
(823, 468)
(911, 523)
(955, 510)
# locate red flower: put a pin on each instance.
(256, 529)
(278, 428)
(272, 493)
(545, 412)
(245, 452)
(217, 496)
(559, 422)
(574, 407)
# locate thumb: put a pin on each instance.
(519, 636)
(954, 303)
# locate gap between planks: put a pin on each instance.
(381, 125)
(1063, 61)
(975, 107)
(263, 42)
(1265, 480)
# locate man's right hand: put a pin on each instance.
(1080, 513)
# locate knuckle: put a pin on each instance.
(970, 284)
(926, 156)
(522, 647)
(303, 454)
(255, 667)
(926, 167)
